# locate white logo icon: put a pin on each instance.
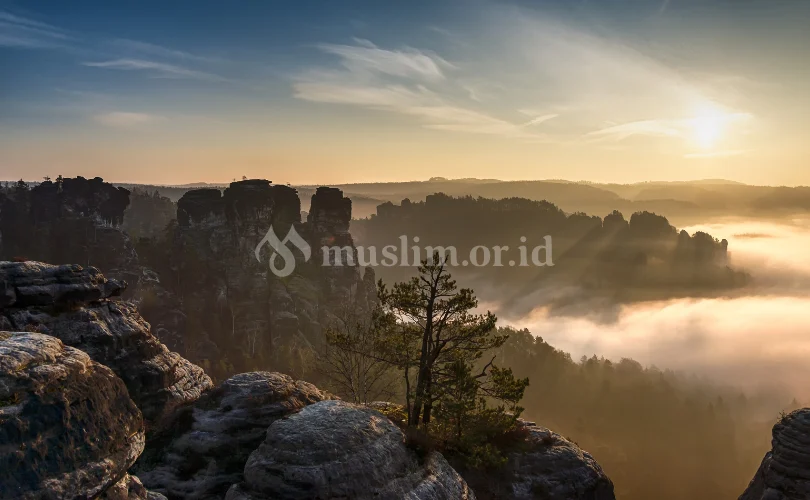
(280, 250)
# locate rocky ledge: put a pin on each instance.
(205, 451)
(785, 471)
(85, 382)
(554, 467)
(73, 303)
(336, 450)
(68, 427)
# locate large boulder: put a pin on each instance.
(73, 303)
(205, 452)
(336, 450)
(553, 468)
(68, 427)
(785, 471)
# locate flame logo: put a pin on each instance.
(280, 249)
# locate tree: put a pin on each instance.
(348, 358)
(439, 338)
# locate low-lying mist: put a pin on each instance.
(756, 340)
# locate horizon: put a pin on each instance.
(610, 92)
(191, 184)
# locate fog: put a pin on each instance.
(757, 340)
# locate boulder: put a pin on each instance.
(785, 471)
(336, 450)
(206, 451)
(72, 303)
(68, 427)
(553, 468)
(130, 488)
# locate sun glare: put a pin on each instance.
(707, 128)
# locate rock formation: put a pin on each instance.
(68, 427)
(205, 453)
(73, 220)
(785, 471)
(73, 304)
(553, 467)
(245, 317)
(333, 450)
(130, 488)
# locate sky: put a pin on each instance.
(333, 92)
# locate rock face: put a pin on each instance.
(245, 317)
(68, 220)
(68, 427)
(554, 468)
(333, 450)
(130, 488)
(785, 471)
(207, 449)
(73, 304)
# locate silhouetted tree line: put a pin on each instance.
(644, 257)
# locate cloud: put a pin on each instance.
(22, 32)
(406, 63)
(416, 102)
(717, 154)
(683, 128)
(396, 81)
(654, 128)
(123, 119)
(157, 69)
(540, 119)
(157, 50)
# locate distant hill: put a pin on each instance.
(683, 202)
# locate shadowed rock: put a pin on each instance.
(333, 450)
(547, 466)
(785, 471)
(207, 449)
(72, 303)
(130, 488)
(68, 427)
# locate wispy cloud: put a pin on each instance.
(22, 32)
(540, 119)
(365, 57)
(397, 81)
(156, 69)
(123, 119)
(717, 154)
(139, 47)
(683, 128)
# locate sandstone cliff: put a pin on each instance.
(242, 315)
(67, 425)
(785, 471)
(197, 280)
(74, 304)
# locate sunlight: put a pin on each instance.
(707, 128)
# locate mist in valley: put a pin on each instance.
(756, 339)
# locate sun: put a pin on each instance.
(707, 128)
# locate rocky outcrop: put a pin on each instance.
(334, 449)
(206, 451)
(553, 468)
(73, 304)
(245, 317)
(68, 427)
(130, 488)
(68, 220)
(785, 471)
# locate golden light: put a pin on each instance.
(707, 128)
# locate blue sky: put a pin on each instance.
(609, 90)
